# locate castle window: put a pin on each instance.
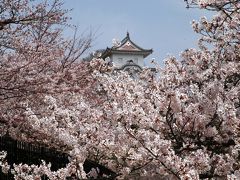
(130, 61)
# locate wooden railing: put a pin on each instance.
(26, 153)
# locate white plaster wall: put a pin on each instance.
(118, 62)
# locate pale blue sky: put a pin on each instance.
(163, 25)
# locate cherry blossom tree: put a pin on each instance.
(34, 53)
(183, 124)
(36, 61)
(186, 122)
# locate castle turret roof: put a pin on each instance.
(127, 46)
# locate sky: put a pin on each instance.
(163, 25)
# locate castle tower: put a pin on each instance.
(126, 55)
